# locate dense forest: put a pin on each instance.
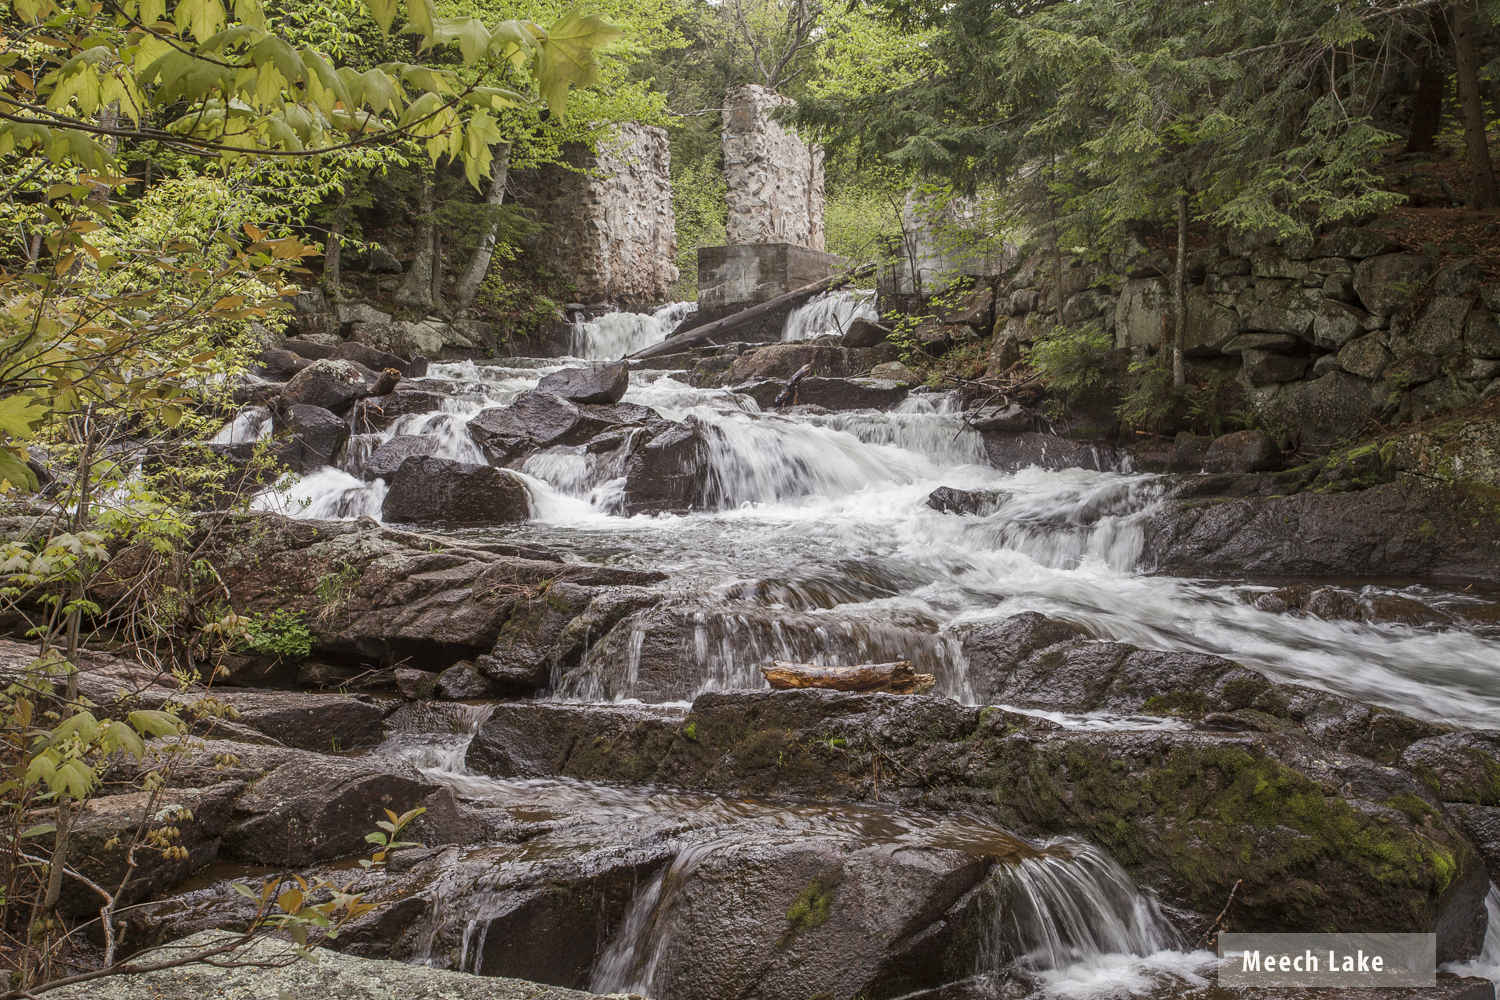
(189, 182)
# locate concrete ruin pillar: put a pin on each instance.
(610, 225)
(775, 179)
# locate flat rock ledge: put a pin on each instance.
(335, 977)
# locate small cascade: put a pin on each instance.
(1486, 964)
(618, 334)
(830, 313)
(248, 426)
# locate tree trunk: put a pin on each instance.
(479, 264)
(1427, 111)
(416, 288)
(898, 677)
(332, 255)
(1179, 293)
(438, 305)
(1486, 194)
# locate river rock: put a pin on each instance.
(1018, 450)
(1188, 452)
(1011, 417)
(541, 420)
(1386, 283)
(425, 490)
(1411, 528)
(304, 719)
(416, 684)
(104, 828)
(864, 333)
(1307, 831)
(670, 472)
(1460, 767)
(314, 348)
(333, 385)
(281, 364)
(1242, 451)
(994, 650)
(463, 681)
(1385, 609)
(520, 663)
(373, 358)
(849, 393)
(315, 438)
(382, 411)
(268, 967)
(386, 594)
(385, 461)
(781, 361)
(594, 384)
(953, 501)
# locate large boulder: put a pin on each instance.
(849, 393)
(521, 661)
(1242, 451)
(670, 472)
(1459, 767)
(386, 459)
(593, 384)
(333, 385)
(781, 361)
(864, 333)
(281, 364)
(540, 420)
(375, 359)
(1317, 839)
(427, 490)
(306, 720)
(382, 411)
(1411, 528)
(1387, 283)
(314, 437)
(375, 593)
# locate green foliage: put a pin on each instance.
(1067, 361)
(280, 633)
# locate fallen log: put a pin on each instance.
(745, 317)
(897, 678)
(789, 392)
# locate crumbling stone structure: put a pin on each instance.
(775, 179)
(608, 216)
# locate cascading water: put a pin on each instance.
(615, 335)
(829, 313)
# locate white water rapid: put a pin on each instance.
(829, 313)
(614, 335)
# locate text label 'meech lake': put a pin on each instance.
(1328, 959)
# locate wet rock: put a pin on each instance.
(1386, 283)
(268, 965)
(541, 420)
(306, 720)
(104, 828)
(670, 472)
(864, 333)
(1309, 832)
(1395, 609)
(594, 384)
(1332, 605)
(606, 607)
(416, 684)
(1459, 767)
(315, 437)
(397, 595)
(463, 681)
(281, 364)
(310, 807)
(993, 651)
(1188, 452)
(1242, 451)
(372, 358)
(385, 461)
(344, 677)
(111, 682)
(382, 411)
(333, 385)
(781, 361)
(953, 501)
(1011, 451)
(521, 663)
(425, 490)
(310, 349)
(1407, 528)
(849, 393)
(543, 739)
(1012, 417)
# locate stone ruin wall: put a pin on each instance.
(775, 180)
(1321, 338)
(610, 225)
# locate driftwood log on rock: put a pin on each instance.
(719, 327)
(897, 678)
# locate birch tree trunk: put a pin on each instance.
(479, 264)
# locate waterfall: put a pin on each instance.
(1486, 964)
(829, 313)
(618, 334)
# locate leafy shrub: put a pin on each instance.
(280, 633)
(1068, 361)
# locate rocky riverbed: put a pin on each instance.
(540, 592)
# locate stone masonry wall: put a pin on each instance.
(775, 179)
(610, 226)
(1322, 338)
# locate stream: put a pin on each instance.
(825, 516)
